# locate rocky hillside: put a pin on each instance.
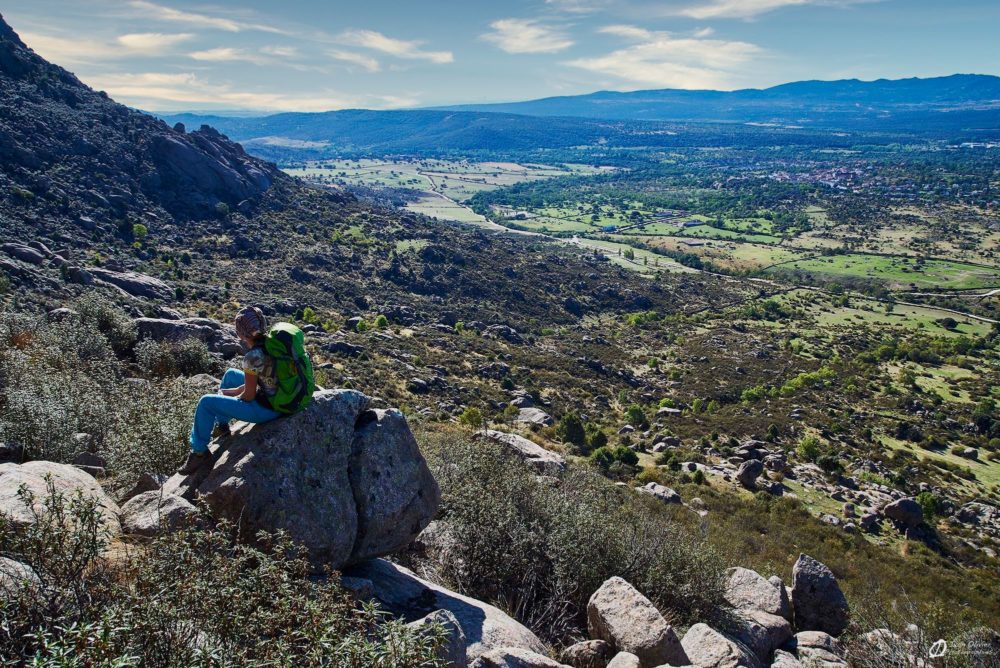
(69, 154)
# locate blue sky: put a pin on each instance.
(313, 55)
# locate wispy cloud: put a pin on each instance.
(526, 36)
(359, 59)
(225, 54)
(664, 59)
(746, 9)
(400, 48)
(198, 20)
(64, 49)
(165, 91)
(577, 6)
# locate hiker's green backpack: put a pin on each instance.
(285, 343)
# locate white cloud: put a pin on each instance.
(65, 50)
(745, 9)
(663, 59)
(164, 91)
(409, 49)
(164, 13)
(526, 36)
(352, 58)
(225, 54)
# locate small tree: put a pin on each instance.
(635, 416)
(472, 418)
(571, 429)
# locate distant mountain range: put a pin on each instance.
(962, 106)
(814, 102)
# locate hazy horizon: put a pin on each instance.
(178, 55)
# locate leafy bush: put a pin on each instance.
(187, 357)
(539, 551)
(808, 448)
(635, 416)
(195, 598)
(606, 457)
(471, 417)
(61, 379)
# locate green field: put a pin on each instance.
(899, 273)
(859, 311)
(458, 180)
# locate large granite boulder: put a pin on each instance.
(36, 477)
(818, 602)
(618, 614)
(346, 482)
(134, 283)
(748, 590)
(403, 594)
(906, 512)
(218, 337)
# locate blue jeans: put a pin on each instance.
(216, 408)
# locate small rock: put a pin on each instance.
(706, 647)
(660, 492)
(149, 513)
(514, 657)
(588, 654)
(625, 660)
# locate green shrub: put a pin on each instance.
(808, 448)
(381, 322)
(187, 357)
(194, 598)
(635, 416)
(607, 456)
(471, 417)
(361, 327)
(117, 327)
(571, 429)
(540, 550)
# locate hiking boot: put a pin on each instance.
(193, 463)
(222, 430)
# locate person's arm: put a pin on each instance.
(249, 387)
(233, 391)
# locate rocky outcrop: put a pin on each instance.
(541, 460)
(618, 614)
(149, 513)
(404, 594)
(40, 479)
(818, 602)
(346, 482)
(218, 337)
(134, 283)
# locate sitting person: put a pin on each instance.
(243, 395)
